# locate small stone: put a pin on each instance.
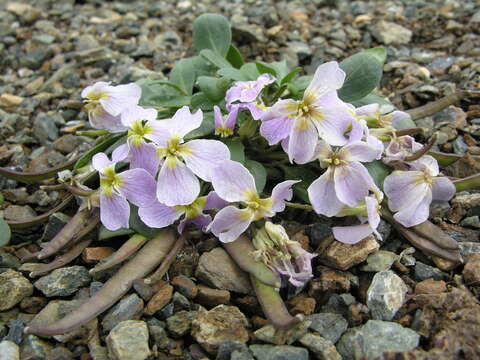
(63, 281)
(56, 222)
(19, 213)
(180, 324)
(302, 305)
(34, 348)
(380, 261)
(329, 281)
(343, 256)
(158, 333)
(217, 269)
(227, 347)
(10, 100)
(430, 286)
(60, 353)
(129, 308)
(15, 331)
(221, 323)
(159, 300)
(390, 33)
(471, 271)
(374, 338)
(323, 349)
(279, 352)
(471, 221)
(386, 295)
(33, 304)
(212, 297)
(68, 143)
(44, 128)
(185, 286)
(423, 272)
(13, 288)
(180, 302)
(329, 325)
(9, 350)
(272, 335)
(94, 255)
(129, 341)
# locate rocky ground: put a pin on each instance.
(364, 299)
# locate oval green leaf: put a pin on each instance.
(258, 172)
(183, 75)
(212, 31)
(5, 232)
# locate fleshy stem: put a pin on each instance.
(299, 206)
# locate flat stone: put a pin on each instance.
(423, 272)
(34, 348)
(272, 335)
(8, 260)
(431, 286)
(343, 256)
(159, 300)
(329, 325)
(60, 353)
(221, 323)
(92, 255)
(44, 128)
(302, 304)
(55, 223)
(19, 213)
(129, 308)
(390, 33)
(380, 261)
(63, 281)
(129, 341)
(322, 348)
(217, 269)
(374, 338)
(158, 333)
(386, 295)
(185, 286)
(212, 297)
(180, 324)
(9, 350)
(279, 352)
(15, 331)
(227, 349)
(471, 271)
(14, 287)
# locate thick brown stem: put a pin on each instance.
(426, 148)
(437, 105)
(32, 177)
(145, 261)
(163, 268)
(128, 248)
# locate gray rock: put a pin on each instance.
(322, 348)
(63, 281)
(279, 352)
(299, 48)
(459, 146)
(218, 270)
(468, 248)
(34, 348)
(44, 128)
(129, 308)
(8, 260)
(228, 347)
(329, 325)
(374, 338)
(60, 353)
(471, 221)
(19, 213)
(13, 289)
(158, 333)
(386, 295)
(423, 272)
(9, 351)
(380, 261)
(390, 33)
(180, 302)
(272, 335)
(180, 324)
(129, 341)
(15, 331)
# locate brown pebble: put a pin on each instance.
(33, 304)
(430, 286)
(92, 255)
(471, 271)
(212, 297)
(302, 305)
(185, 286)
(159, 300)
(258, 322)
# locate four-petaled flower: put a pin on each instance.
(233, 183)
(224, 125)
(134, 185)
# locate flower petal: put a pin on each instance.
(201, 221)
(214, 201)
(351, 234)
(177, 185)
(442, 189)
(158, 215)
(205, 155)
(322, 195)
(145, 157)
(230, 223)
(333, 124)
(138, 187)
(276, 129)
(135, 113)
(282, 192)
(120, 97)
(114, 212)
(100, 161)
(415, 212)
(352, 183)
(403, 188)
(218, 117)
(372, 211)
(281, 108)
(231, 180)
(99, 119)
(183, 122)
(120, 153)
(359, 151)
(303, 141)
(327, 77)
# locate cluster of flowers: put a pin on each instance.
(163, 179)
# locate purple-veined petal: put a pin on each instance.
(160, 133)
(120, 153)
(351, 234)
(231, 181)
(352, 183)
(135, 113)
(138, 187)
(230, 223)
(357, 132)
(114, 211)
(99, 119)
(158, 215)
(183, 122)
(231, 119)
(302, 141)
(323, 150)
(415, 212)
(205, 155)
(100, 161)
(276, 129)
(404, 187)
(214, 201)
(372, 211)
(281, 108)
(120, 97)
(442, 189)
(145, 157)
(218, 117)
(201, 221)
(426, 163)
(397, 116)
(359, 151)
(282, 192)
(233, 94)
(368, 110)
(255, 110)
(327, 77)
(96, 88)
(177, 184)
(322, 195)
(333, 124)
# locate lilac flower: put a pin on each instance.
(177, 183)
(380, 116)
(224, 125)
(233, 183)
(158, 215)
(355, 233)
(319, 113)
(282, 255)
(400, 148)
(346, 181)
(410, 193)
(135, 185)
(105, 103)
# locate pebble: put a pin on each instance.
(34, 348)
(44, 128)
(380, 261)
(61, 353)
(431, 286)
(471, 271)
(372, 339)
(217, 269)
(55, 223)
(423, 272)
(471, 222)
(158, 333)
(129, 308)
(281, 352)
(180, 324)
(328, 325)
(211, 297)
(15, 331)
(221, 323)
(386, 295)
(322, 348)
(19, 213)
(185, 286)
(390, 33)
(14, 287)
(128, 340)
(64, 281)
(272, 335)
(159, 300)
(180, 302)
(94, 255)
(9, 350)
(302, 304)
(228, 347)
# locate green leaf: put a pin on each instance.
(258, 172)
(202, 101)
(203, 67)
(136, 224)
(172, 85)
(405, 123)
(378, 52)
(214, 58)
(364, 73)
(234, 57)
(212, 31)
(213, 88)
(206, 128)
(281, 68)
(174, 102)
(300, 173)
(445, 159)
(5, 232)
(264, 68)
(298, 86)
(237, 150)
(2, 199)
(233, 74)
(155, 93)
(378, 171)
(468, 183)
(250, 70)
(32, 177)
(287, 78)
(183, 75)
(104, 233)
(104, 145)
(372, 98)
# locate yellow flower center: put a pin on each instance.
(223, 131)
(92, 101)
(257, 206)
(137, 132)
(194, 209)
(424, 178)
(175, 148)
(334, 160)
(109, 179)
